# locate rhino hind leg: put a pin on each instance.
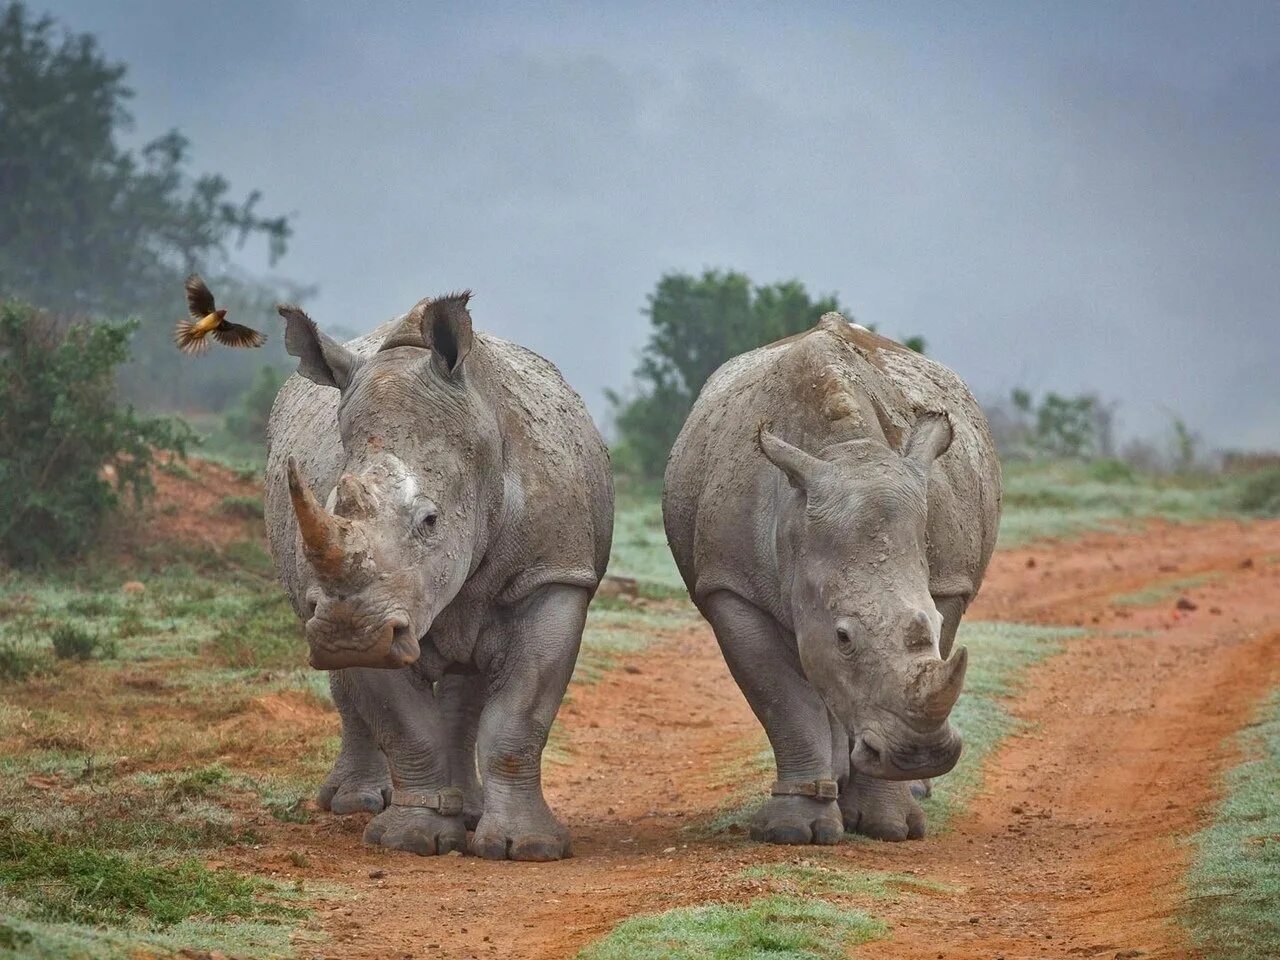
(792, 713)
(882, 809)
(523, 697)
(359, 781)
(461, 698)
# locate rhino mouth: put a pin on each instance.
(873, 756)
(394, 646)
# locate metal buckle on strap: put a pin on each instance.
(447, 801)
(819, 789)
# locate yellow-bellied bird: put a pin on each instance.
(206, 318)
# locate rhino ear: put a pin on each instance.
(930, 438)
(446, 329)
(321, 359)
(801, 468)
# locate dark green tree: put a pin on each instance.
(90, 228)
(697, 323)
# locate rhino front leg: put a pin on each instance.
(764, 662)
(882, 809)
(461, 698)
(359, 780)
(425, 811)
(524, 695)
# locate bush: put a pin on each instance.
(76, 643)
(18, 661)
(1260, 493)
(248, 420)
(69, 450)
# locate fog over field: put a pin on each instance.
(1076, 198)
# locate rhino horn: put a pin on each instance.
(937, 687)
(321, 533)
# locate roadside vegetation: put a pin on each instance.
(1234, 883)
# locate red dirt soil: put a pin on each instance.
(1071, 848)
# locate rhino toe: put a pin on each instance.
(882, 809)
(798, 820)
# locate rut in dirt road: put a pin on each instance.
(1070, 850)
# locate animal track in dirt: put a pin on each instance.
(1070, 849)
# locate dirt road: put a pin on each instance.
(1070, 850)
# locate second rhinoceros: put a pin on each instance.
(440, 510)
(832, 504)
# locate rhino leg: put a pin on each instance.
(461, 699)
(881, 809)
(763, 661)
(359, 780)
(524, 695)
(407, 724)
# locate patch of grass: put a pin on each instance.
(810, 879)
(267, 634)
(20, 661)
(1234, 881)
(640, 546)
(79, 883)
(779, 928)
(1060, 499)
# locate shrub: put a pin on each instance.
(76, 643)
(19, 661)
(69, 450)
(1260, 493)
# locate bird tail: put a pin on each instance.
(189, 340)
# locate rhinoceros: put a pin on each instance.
(832, 503)
(440, 510)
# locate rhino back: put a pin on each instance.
(558, 509)
(833, 383)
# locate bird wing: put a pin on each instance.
(237, 335)
(199, 297)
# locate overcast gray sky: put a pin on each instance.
(1072, 196)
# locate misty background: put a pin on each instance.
(1078, 197)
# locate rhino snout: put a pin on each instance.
(391, 645)
(877, 757)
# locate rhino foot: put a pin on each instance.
(344, 793)
(416, 830)
(796, 820)
(536, 836)
(882, 809)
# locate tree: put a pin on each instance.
(69, 449)
(88, 228)
(697, 323)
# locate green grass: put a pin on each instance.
(1064, 499)
(640, 545)
(1233, 910)
(777, 928)
(810, 879)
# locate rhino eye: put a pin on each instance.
(429, 520)
(844, 639)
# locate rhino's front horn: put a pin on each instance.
(321, 533)
(937, 687)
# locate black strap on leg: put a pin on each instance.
(818, 789)
(447, 801)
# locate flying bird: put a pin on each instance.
(207, 318)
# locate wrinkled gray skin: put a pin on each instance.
(440, 510)
(832, 503)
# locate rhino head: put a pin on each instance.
(867, 629)
(409, 517)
